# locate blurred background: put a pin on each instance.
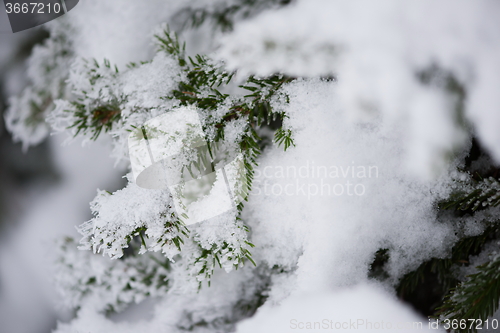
(40, 199)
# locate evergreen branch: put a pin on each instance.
(203, 85)
(94, 121)
(477, 195)
(441, 268)
(169, 43)
(284, 137)
(210, 258)
(476, 298)
(163, 230)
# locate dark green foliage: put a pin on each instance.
(440, 271)
(210, 259)
(377, 266)
(95, 118)
(173, 226)
(476, 298)
(435, 278)
(169, 43)
(93, 72)
(177, 225)
(284, 137)
(436, 288)
(203, 81)
(478, 195)
(262, 93)
(94, 122)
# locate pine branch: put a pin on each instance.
(161, 226)
(476, 298)
(284, 137)
(98, 106)
(169, 43)
(95, 120)
(475, 196)
(98, 110)
(442, 268)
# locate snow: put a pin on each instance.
(376, 51)
(147, 85)
(118, 30)
(337, 232)
(364, 307)
(120, 214)
(134, 92)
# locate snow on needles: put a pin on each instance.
(136, 93)
(121, 214)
